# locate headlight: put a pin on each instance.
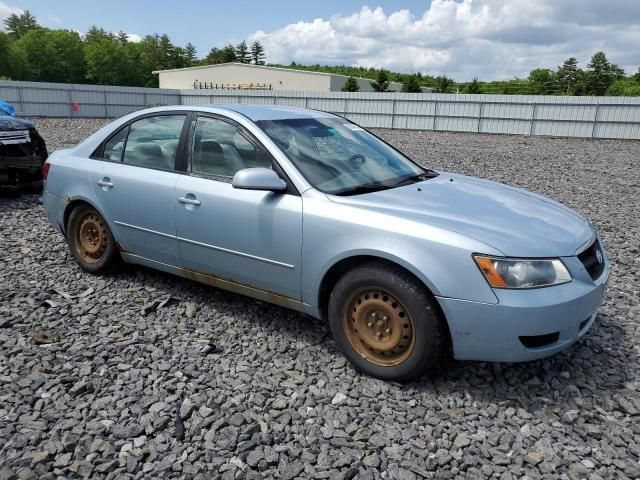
(522, 273)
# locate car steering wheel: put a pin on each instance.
(356, 161)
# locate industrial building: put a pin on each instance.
(248, 76)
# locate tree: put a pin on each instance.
(229, 54)
(473, 87)
(5, 55)
(104, 60)
(381, 83)
(221, 55)
(190, 53)
(122, 37)
(569, 76)
(637, 75)
(18, 63)
(542, 81)
(52, 55)
(628, 87)
(601, 74)
(257, 53)
(242, 52)
(95, 34)
(443, 83)
(411, 84)
(213, 57)
(18, 25)
(351, 85)
(137, 72)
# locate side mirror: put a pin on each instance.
(258, 179)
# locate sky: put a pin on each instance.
(488, 39)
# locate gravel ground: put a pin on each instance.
(132, 385)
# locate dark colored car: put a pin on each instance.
(22, 155)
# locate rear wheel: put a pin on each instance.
(386, 322)
(90, 240)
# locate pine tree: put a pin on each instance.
(18, 25)
(122, 37)
(601, 74)
(351, 85)
(190, 54)
(257, 53)
(242, 52)
(381, 83)
(411, 84)
(569, 76)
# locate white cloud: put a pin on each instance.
(465, 38)
(134, 37)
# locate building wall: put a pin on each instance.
(279, 79)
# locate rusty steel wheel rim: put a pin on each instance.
(378, 327)
(91, 238)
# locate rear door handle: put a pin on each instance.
(189, 199)
(105, 183)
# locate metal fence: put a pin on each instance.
(590, 117)
(35, 99)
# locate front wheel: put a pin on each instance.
(90, 240)
(386, 322)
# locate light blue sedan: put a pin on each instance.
(307, 210)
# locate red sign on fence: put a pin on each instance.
(74, 107)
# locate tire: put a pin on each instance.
(91, 243)
(386, 322)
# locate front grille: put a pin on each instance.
(14, 136)
(593, 260)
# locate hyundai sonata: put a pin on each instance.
(307, 210)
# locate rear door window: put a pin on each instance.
(153, 142)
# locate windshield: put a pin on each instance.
(340, 158)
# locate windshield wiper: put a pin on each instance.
(416, 178)
(358, 189)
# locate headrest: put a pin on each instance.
(171, 147)
(149, 149)
(211, 146)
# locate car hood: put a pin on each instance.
(514, 221)
(12, 123)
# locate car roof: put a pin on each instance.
(256, 112)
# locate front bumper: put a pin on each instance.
(20, 172)
(526, 324)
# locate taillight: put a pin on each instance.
(45, 170)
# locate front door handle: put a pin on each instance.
(105, 183)
(189, 199)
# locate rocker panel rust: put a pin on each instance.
(224, 284)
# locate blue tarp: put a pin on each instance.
(7, 109)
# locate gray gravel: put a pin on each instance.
(153, 375)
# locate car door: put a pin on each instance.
(134, 185)
(253, 238)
